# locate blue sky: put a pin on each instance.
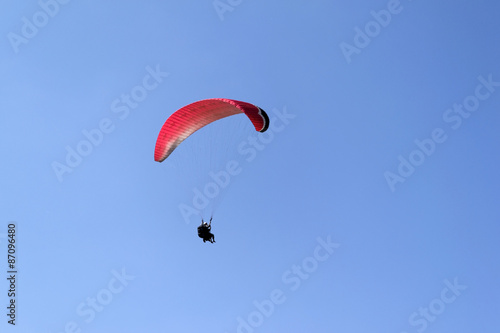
(370, 206)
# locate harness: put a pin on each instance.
(203, 232)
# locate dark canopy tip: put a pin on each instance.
(266, 120)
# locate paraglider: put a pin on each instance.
(204, 231)
(190, 118)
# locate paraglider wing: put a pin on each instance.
(190, 118)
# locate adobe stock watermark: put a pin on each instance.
(88, 309)
(32, 25)
(223, 6)
(426, 315)
(453, 117)
(363, 36)
(248, 149)
(121, 107)
(292, 279)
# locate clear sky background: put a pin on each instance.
(371, 205)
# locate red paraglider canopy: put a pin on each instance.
(190, 118)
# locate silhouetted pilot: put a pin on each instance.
(204, 231)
